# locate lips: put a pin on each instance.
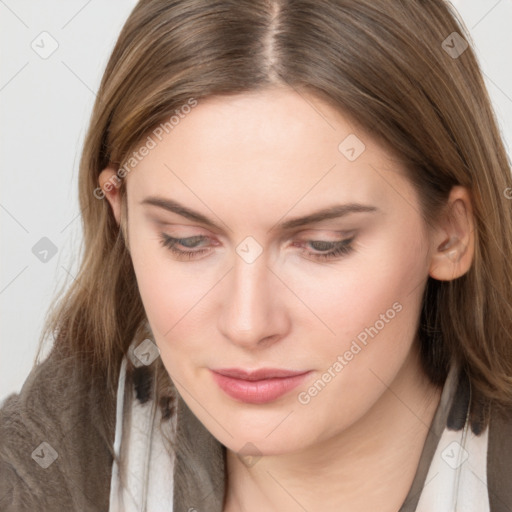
(257, 386)
(260, 374)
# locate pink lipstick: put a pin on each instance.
(257, 386)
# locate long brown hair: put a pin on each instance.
(394, 66)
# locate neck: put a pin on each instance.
(369, 466)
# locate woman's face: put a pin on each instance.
(335, 299)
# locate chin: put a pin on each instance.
(260, 432)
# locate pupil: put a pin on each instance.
(190, 242)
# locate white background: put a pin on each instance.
(45, 106)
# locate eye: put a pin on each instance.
(170, 243)
(337, 248)
(332, 249)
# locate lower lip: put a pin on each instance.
(258, 391)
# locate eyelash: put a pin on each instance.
(343, 247)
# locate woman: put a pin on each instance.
(295, 291)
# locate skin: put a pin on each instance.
(250, 162)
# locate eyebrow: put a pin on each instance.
(333, 212)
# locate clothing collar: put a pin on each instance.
(193, 477)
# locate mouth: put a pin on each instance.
(257, 386)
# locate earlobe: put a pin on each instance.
(108, 181)
(454, 238)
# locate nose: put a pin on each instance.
(253, 313)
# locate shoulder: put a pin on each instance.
(499, 459)
(55, 440)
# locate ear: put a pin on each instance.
(109, 183)
(453, 239)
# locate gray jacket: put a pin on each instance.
(56, 439)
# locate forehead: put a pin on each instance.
(238, 127)
(274, 147)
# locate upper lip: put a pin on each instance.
(259, 374)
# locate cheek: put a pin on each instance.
(373, 309)
(169, 297)
(174, 296)
(374, 318)
(162, 285)
(386, 273)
